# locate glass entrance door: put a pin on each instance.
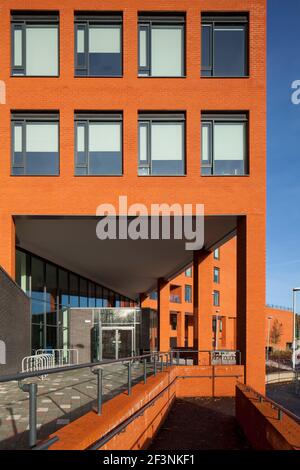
(117, 342)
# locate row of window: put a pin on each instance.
(99, 144)
(98, 45)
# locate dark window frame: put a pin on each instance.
(102, 20)
(216, 20)
(162, 20)
(216, 298)
(146, 120)
(216, 278)
(228, 118)
(188, 298)
(20, 21)
(20, 119)
(83, 120)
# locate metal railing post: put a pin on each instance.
(129, 378)
(99, 373)
(177, 354)
(162, 362)
(31, 389)
(171, 358)
(155, 366)
(145, 371)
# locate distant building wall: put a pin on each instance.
(281, 327)
(15, 324)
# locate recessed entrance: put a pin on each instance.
(117, 342)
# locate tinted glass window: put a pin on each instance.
(98, 50)
(229, 51)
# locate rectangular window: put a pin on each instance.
(224, 144)
(161, 45)
(216, 275)
(173, 321)
(98, 146)
(161, 144)
(216, 298)
(188, 293)
(188, 272)
(224, 46)
(35, 45)
(98, 45)
(35, 144)
(217, 253)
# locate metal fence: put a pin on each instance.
(150, 364)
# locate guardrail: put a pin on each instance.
(280, 409)
(207, 357)
(159, 360)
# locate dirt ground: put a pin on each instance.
(201, 424)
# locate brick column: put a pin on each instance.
(163, 311)
(202, 297)
(251, 298)
(180, 329)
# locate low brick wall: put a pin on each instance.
(178, 381)
(261, 424)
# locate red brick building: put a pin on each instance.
(98, 105)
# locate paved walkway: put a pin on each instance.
(62, 397)
(201, 424)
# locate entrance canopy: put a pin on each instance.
(129, 267)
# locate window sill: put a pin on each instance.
(98, 76)
(99, 175)
(161, 76)
(35, 176)
(34, 76)
(224, 176)
(161, 176)
(235, 77)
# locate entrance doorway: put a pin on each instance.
(116, 342)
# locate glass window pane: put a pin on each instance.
(42, 51)
(104, 40)
(74, 290)
(18, 47)
(105, 137)
(166, 51)
(80, 138)
(143, 48)
(105, 51)
(63, 287)
(206, 139)
(22, 277)
(229, 51)
(83, 294)
(143, 142)
(37, 278)
(167, 141)
(105, 155)
(80, 41)
(42, 148)
(17, 138)
(42, 137)
(206, 46)
(229, 141)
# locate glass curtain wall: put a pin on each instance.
(52, 291)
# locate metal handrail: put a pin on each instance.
(160, 358)
(176, 353)
(281, 410)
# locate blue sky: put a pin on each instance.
(283, 180)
